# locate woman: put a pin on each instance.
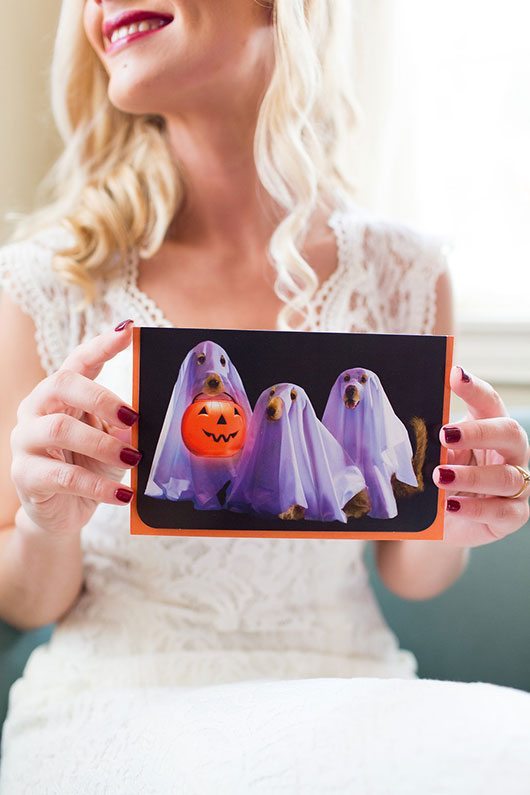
(201, 185)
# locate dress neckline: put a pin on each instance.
(151, 311)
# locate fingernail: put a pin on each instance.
(446, 475)
(452, 505)
(124, 495)
(127, 415)
(465, 377)
(130, 456)
(452, 435)
(123, 325)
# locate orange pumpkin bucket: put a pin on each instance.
(214, 427)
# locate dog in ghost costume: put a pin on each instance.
(176, 473)
(291, 465)
(359, 415)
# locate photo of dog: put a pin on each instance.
(291, 465)
(360, 416)
(198, 445)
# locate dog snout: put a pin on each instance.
(213, 384)
(274, 409)
(351, 395)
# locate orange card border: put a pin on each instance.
(138, 527)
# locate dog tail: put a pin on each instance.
(418, 461)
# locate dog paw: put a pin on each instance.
(294, 512)
(358, 505)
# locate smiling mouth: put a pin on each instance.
(221, 436)
(127, 33)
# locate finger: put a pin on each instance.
(63, 432)
(124, 435)
(89, 357)
(480, 397)
(40, 478)
(502, 480)
(502, 434)
(68, 389)
(498, 515)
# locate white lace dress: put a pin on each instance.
(235, 665)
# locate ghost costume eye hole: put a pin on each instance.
(293, 394)
(346, 377)
(201, 358)
(363, 379)
(271, 393)
(223, 361)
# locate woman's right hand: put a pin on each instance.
(64, 462)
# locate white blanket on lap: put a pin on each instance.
(363, 736)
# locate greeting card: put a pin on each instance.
(289, 433)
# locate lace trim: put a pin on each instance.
(435, 266)
(25, 275)
(323, 298)
(150, 310)
(146, 306)
(384, 281)
(406, 265)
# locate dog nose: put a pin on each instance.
(274, 408)
(213, 381)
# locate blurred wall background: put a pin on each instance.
(28, 141)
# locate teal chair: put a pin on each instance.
(477, 630)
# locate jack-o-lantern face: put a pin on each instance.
(212, 427)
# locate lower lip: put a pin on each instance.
(118, 45)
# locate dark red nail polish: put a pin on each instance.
(465, 377)
(446, 475)
(127, 415)
(452, 435)
(123, 325)
(453, 505)
(124, 495)
(130, 456)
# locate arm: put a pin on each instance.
(40, 575)
(422, 569)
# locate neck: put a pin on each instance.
(225, 201)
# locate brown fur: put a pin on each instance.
(294, 512)
(404, 489)
(213, 385)
(358, 505)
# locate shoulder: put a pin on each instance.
(29, 280)
(392, 244)
(26, 266)
(410, 267)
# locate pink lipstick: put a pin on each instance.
(128, 18)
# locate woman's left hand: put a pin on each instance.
(480, 475)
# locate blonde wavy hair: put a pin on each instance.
(116, 187)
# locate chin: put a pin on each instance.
(132, 96)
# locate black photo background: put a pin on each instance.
(411, 369)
